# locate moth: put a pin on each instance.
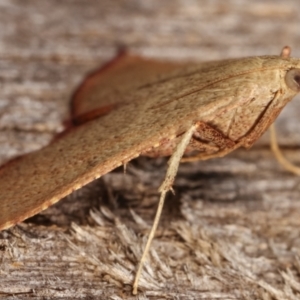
(135, 106)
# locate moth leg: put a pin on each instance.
(173, 163)
(285, 53)
(211, 136)
(278, 154)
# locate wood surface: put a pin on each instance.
(231, 231)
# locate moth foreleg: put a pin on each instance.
(278, 154)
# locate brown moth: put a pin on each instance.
(134, 106)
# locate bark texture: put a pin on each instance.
(231, 231)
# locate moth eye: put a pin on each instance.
(292, 79)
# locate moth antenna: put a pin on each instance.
(286, 52)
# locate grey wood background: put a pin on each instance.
(232, 229)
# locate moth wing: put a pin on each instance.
(33, 182)
(104, 89)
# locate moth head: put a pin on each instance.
(292, 79)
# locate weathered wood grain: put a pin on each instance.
(232, 226)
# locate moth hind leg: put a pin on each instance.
(173, 164)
